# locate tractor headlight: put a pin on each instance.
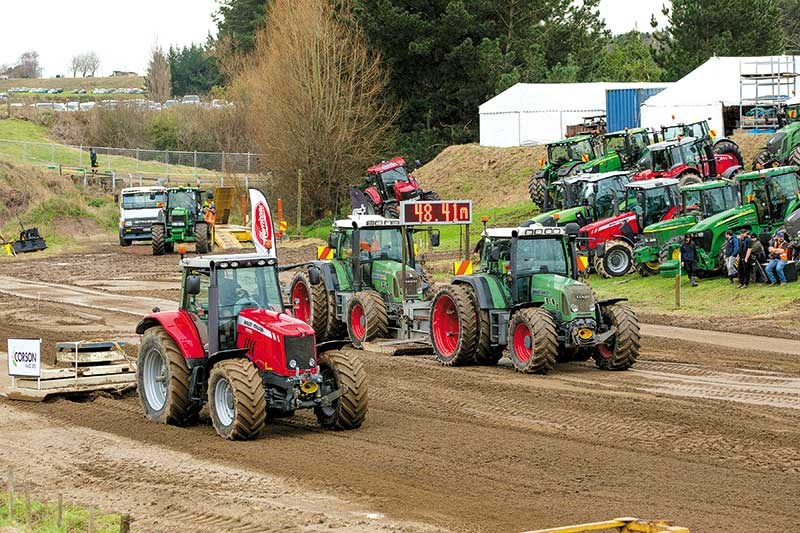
(699, 234)
(311, 363)
(573, 308)
(292, 363)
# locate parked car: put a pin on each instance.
(191, 99)
(86, 106)
(80, 91)
(170, 103)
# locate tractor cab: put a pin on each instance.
(629, 145)
(770, 191)
(180, 220)
(584, 198)
(698, 130)
(575, 149)
(690, 160)
(709, 198)
(653, 200)
(183, 205)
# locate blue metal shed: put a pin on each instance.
(622, 106)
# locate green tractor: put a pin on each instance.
(365, 284)
(621, 151)
(767, 198)
(527, 302)
(181, 220)
(699, 201)
(585, 198)
(563, 158)
(783, 148)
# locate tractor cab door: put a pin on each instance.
(637, 144)
(196, 305)
(754, 192)
(781, 190)
(657, 203)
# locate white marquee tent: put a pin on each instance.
(536, 113)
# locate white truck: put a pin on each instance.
(139, 209)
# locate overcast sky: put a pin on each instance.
(122, 33)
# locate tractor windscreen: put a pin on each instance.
(665, 159)
(542, 256)
(558, 153)
(692, 200)
(184, 199)
(717, 200)
(775, 142)
(248, 288)
(616, 143)
(653, 204)
(390, 177)
(381, 244)
(581, 148)
(601, 194)
(782, 190)
(143, 200)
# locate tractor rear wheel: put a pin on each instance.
(310, 303)
(621, 350)
(689, 178)
(537, 187)
(454, 325)
(202, 244)
(430, 196)
(124, 242)
(649, 268)
(157, 239)
(794, 156)
(616, 261)
(486, 354)
(163, 380)
(761, 160)
(236, 399)
(391, 210)
(532, 341)
(366, 317)
(726, 146)
(342, 369)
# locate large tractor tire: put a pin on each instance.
(454, 325)
(431, 196)
(486, 354)
(689, 178)
(163, 380)
(761, 160)
(726, 146)
(622, 349)
(391, 210)
(794, 156)
(532, 341)
(366, 317)
(310, 304)
(201, 237)
(124, 242)
(537, 188)
(340, 369)
(157, 239)
(616, 261)
(236, 400)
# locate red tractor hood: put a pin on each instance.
(281, 324)
(647, 174)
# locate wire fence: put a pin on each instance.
(133, 160)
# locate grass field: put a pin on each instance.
(43, 518)
(22, 130)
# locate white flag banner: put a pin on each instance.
(261, 224)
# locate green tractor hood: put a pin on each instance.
(565, 216)
(607, 163)
(665, 230)
(730, 219)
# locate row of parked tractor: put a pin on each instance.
(634, 200)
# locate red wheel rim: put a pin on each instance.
(358, 321)
(446, 327)
(605, 350)
(301, 302)
(523, 342)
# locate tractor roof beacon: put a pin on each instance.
(527, 303)
(231, 345)
(366, 283)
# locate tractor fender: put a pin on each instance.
(235, 353)
(726, 139)
(179, 326)
(610, 301)
(730, 171)
(526, 305)
(325, 273)
(481, 288)
(374, 195)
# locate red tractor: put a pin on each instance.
(232, 345)
(609, 242)
(388, 184)
(690, 160)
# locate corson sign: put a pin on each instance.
(24, 357)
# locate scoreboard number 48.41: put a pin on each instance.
(436, 212)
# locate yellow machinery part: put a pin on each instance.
(623, 525)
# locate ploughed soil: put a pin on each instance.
(706, 436)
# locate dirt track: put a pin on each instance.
(707, 436)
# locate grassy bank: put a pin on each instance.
(43, 517)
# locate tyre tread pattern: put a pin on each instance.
(377, 320)
(248, 394)
(351, 373)
(320, 312)
(465, 352)
(201, 238)
(545, 341)
(599, 262)
(157, 239)
(626, 347)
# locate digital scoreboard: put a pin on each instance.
(436, 212)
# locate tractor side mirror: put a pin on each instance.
(333, 240)
(193, 284)
(116, 198)
(572, 230)
(435, 238)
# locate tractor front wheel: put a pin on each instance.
(621, 350)
(157, 239)
(340, 369)
(454, 326)
(764, 160)
(616, 261)
(366, 317)
(689, 178)
(310, 303)
(163, 380)
(532, 341)
(201, 237)
(123, 241)
(236, 399)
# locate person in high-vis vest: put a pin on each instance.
(778, 257)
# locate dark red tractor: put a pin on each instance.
(389, 183)
(609, 242)
(232, 345)
(690, 160)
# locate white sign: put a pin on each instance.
(261, 221)
(24, 357)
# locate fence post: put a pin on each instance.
(11, 492)
(113, 182)
(299, 197)
(223, 162)
(85, 180)
(195, 159)
(248, 162)
(80, 156)
(137, 160)
(247, 183)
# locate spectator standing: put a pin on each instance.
(689, 258)
(745, 252)
(778, 256)
(731, 250)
